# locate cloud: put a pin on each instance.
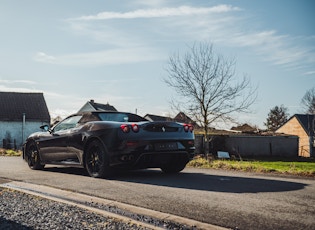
(43, 57)
(218, 23)
(283, 50)
(151, 3)
(23, 86)
(17, 89)
(161, 12)
(105, 57)
(17, 82)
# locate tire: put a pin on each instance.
(96, 160)
(32, 157)
(174, 167)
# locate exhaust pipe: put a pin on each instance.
(126, 158)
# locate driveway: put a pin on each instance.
(223, 198)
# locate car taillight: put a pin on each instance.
(135, 128)
(126, 128)
(188, 127)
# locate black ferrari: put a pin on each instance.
(103, 142)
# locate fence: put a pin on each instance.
(245, 145)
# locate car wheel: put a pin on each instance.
(96, 160)
(174, 167)
(32, 157)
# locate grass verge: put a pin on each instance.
(298, 168)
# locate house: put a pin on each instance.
(303, 126)
(20, 115)
(180, 117)
(183, 118)
(93, 106)
(152, 117)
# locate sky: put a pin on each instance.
(117, 52)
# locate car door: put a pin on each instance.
(55, 146)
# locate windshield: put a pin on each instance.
(68, 123)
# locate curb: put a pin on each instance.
(81, 200)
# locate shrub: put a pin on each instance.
(10, 152)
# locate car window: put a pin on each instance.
(121, 117)
(68, 123)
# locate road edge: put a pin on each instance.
(81, 200)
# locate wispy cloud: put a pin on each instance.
(161, 12)
(221, 24)
(310, 73)
(151, 3)
(43, 57)
(17, 82)
(105, 57)
(6, 88)
(275, 48)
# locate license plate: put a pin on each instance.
(166, 146)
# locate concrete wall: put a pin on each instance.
(253, 146)
(15, 131)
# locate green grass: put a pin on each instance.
(300, 168)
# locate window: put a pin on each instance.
(68, 123)
(120, 117)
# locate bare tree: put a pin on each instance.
(308, 101)
(208, 86)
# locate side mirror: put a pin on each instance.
(45, 127)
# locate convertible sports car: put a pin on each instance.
(103, 141)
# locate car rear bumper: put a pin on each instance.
(150, 159)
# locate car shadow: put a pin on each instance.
(67, 170)
(9, 224)
(214, 183)
(196, 181)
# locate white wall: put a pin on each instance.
(15, 131)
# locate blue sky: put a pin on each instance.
(117, 51)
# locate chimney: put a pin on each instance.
(92, 101)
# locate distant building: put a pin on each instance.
(180, 117)
(303, 126)
(93, 106)
(152, 117)
(20, 115)
(245, 128)
(183, 118)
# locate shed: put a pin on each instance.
(303, 126)
(20, 115)
(251, 145)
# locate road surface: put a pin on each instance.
(229, 199)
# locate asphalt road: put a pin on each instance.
(229, 199)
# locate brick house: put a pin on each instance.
(20, 115)
(303, 126)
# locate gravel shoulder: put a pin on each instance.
(26, 210)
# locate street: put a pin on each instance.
(225, 198)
